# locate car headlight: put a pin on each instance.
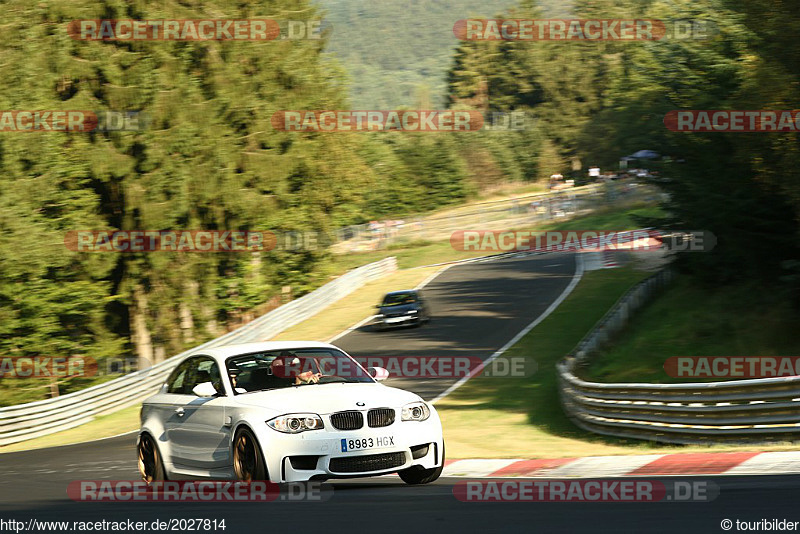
(416, 411)
(294, 423)
(412, 311)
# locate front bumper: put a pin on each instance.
(394, 322)
(318, 454)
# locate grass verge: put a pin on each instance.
(409, 255)
(356, 307)
(608, 219)
(105, 426)
(694, 320)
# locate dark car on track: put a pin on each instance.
(402, 308)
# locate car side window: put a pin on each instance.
(177, 379)
(192, 372)
(203, 369)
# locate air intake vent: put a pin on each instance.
(366, 464)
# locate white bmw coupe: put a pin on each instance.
(285, 412)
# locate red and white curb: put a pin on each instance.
(597, 260)
(609, 260)
(712, 463)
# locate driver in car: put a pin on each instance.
(233, 373)
(288, 365)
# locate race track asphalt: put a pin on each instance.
(477, 309)
(34, 486)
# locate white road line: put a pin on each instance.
(555, 304)
(434, 275)
(348, 330)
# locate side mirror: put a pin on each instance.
(205, 389)
(378, 373)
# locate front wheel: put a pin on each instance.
(419, 475)
(248, 460)
(151, 467)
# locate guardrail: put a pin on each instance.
(40, 418)
(736, 411)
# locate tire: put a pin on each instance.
(248, 460)
(418, 475)
(151, 466)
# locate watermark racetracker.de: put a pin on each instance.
(197, 491)
(421, 367)
(72, 121)
(191, 240)
(586, 490)
(47, 366)
(580, 240)
(632, 29)
(738, 121)
(736, 367)
(402, 120)
(196, 29)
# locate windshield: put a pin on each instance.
(287, 368)
(397, 299)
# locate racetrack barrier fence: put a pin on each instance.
(735, 411)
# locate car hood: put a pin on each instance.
(328, 398)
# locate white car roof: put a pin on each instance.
(226, 351)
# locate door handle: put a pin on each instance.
(179, 412)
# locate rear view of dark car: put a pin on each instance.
(402, 308)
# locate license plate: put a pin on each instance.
(395, 319)
(350, 445)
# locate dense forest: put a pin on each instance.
(208, 160)
(398, 53)
(211, 160)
